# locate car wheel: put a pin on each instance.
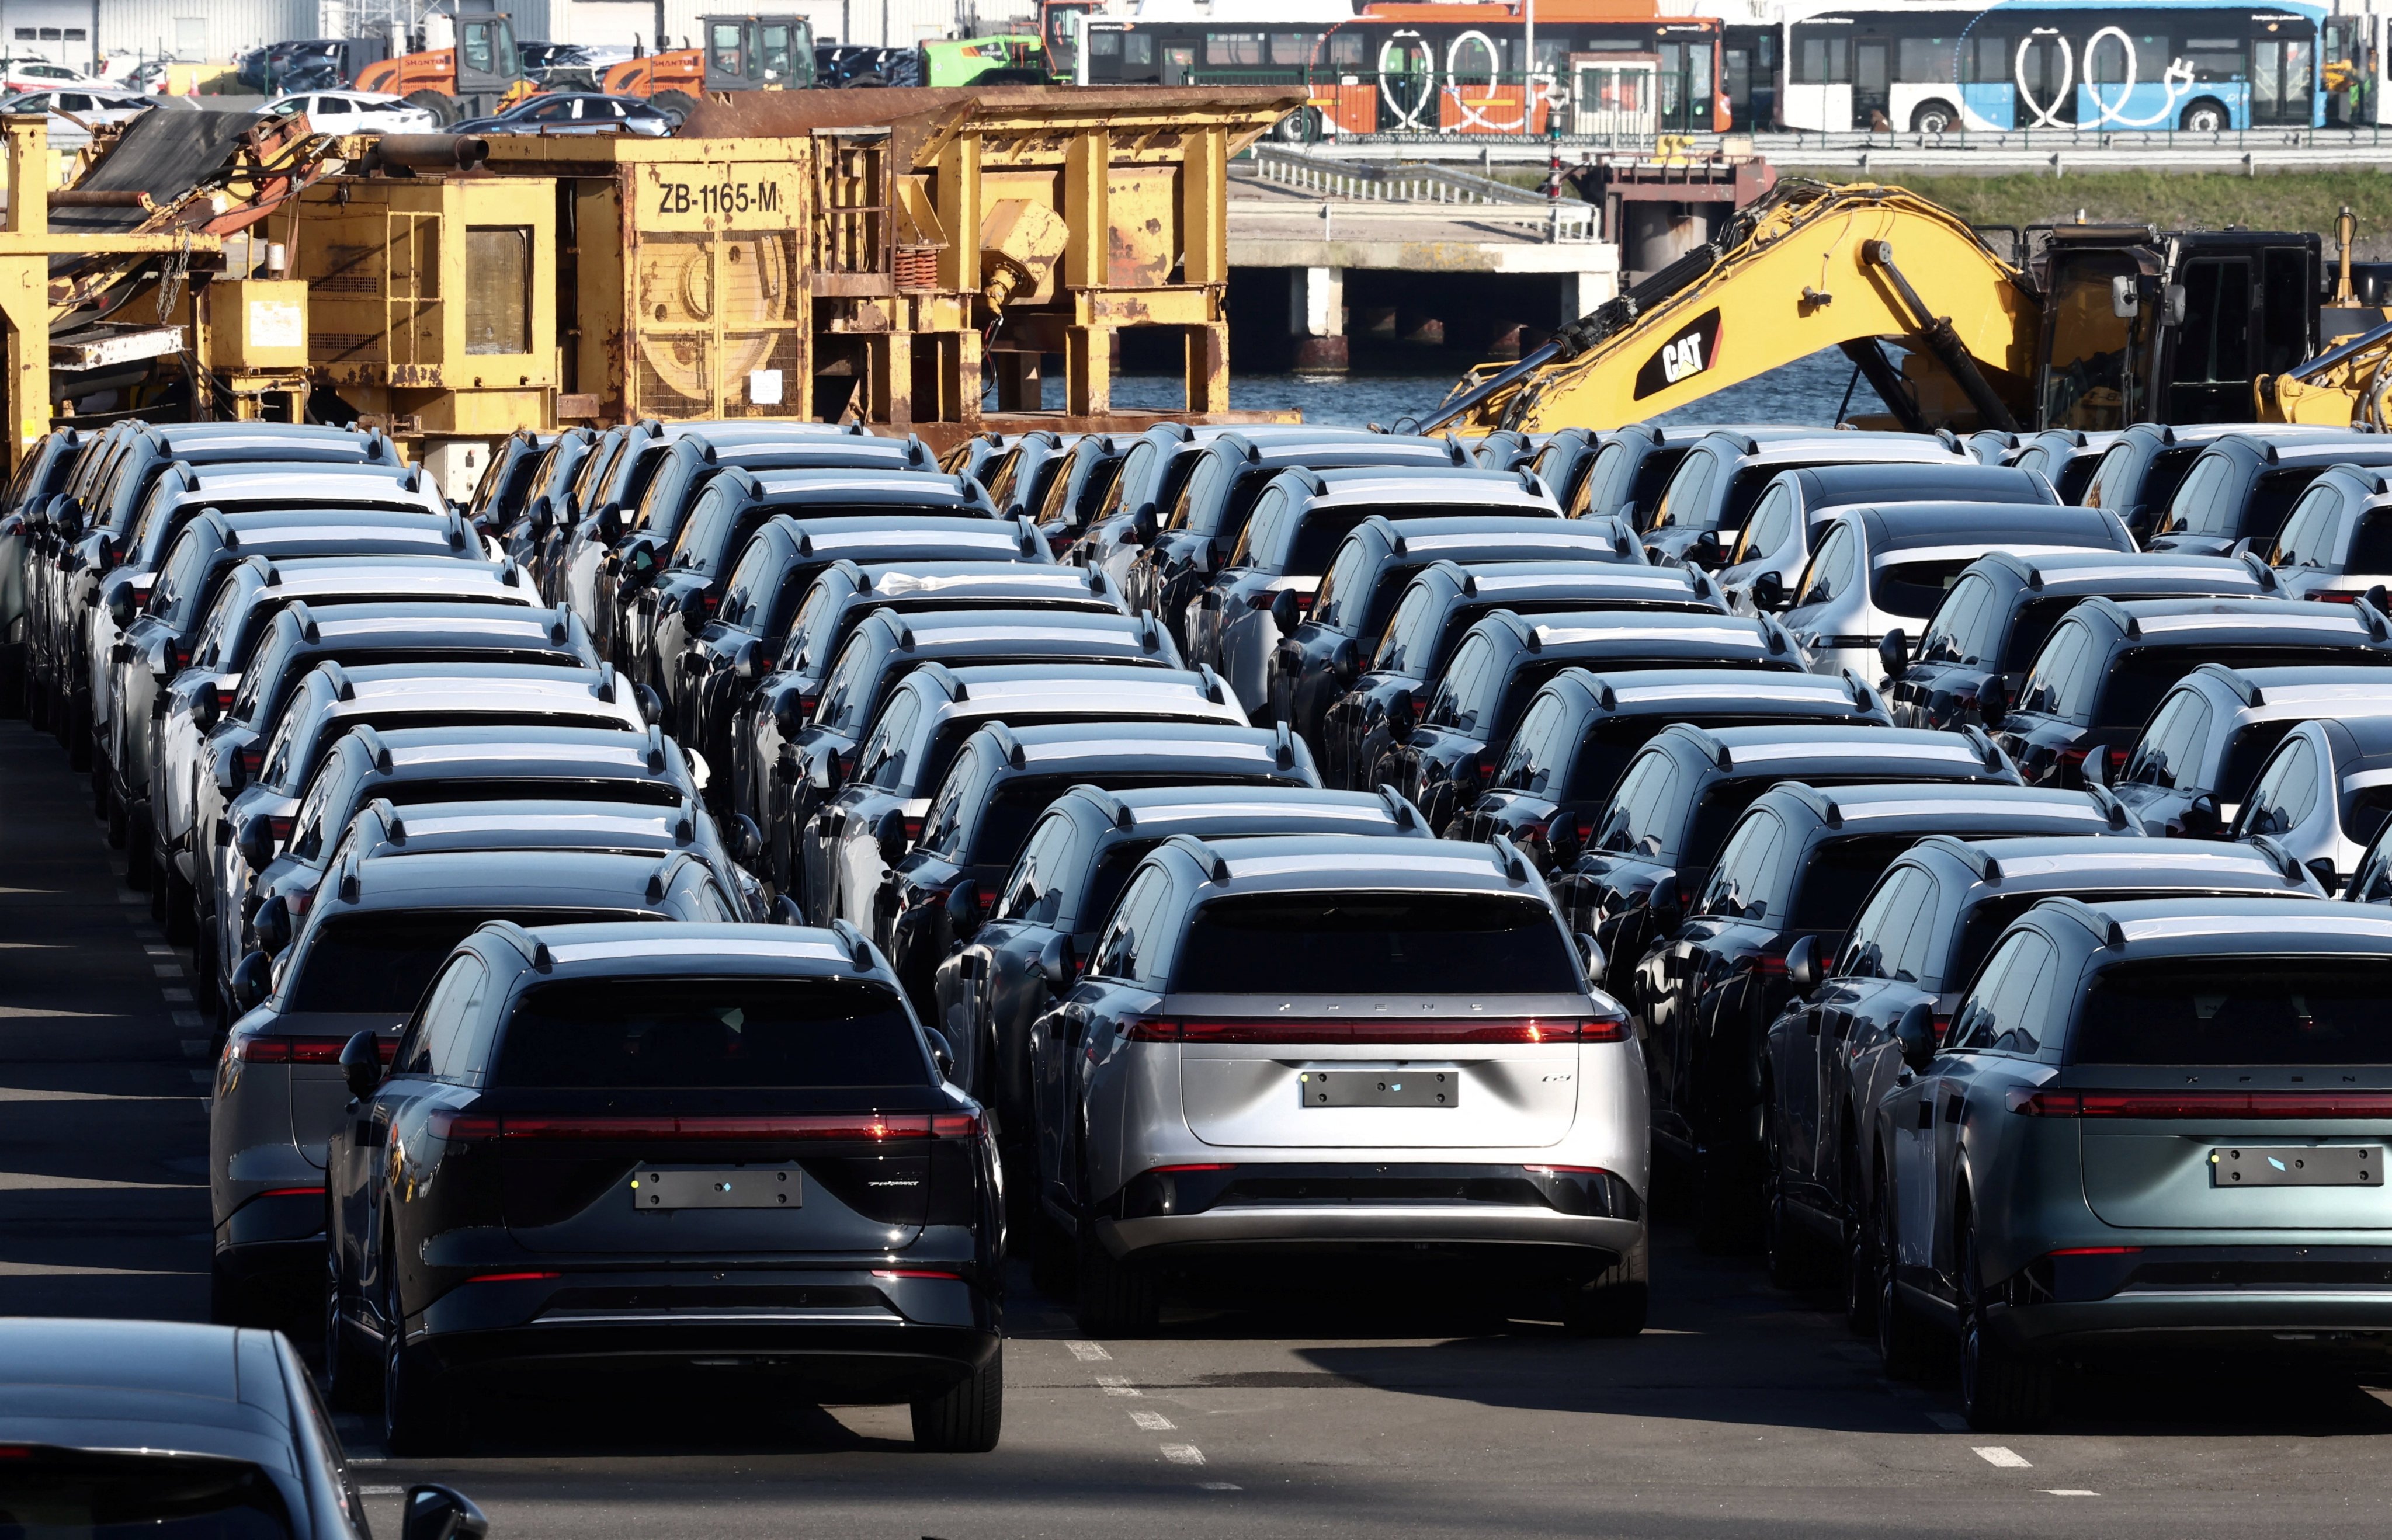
(416, 1419)
(2003, 1389)
(349, 1379)
(1117, 1297)
(1903, 1343)
(1786, 1247)
(1617, 1302)
(1860, 1253)
(966, 1417)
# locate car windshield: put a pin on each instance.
(76, 1495)
(738, 1033)
(383, 962)
(2239, 1010)
(1376, 943)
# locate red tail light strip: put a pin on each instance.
(1372, 1030)
(2270, 1105)
(916, 1273)
(513, 1277)
(464, 1126)
(282, 1050)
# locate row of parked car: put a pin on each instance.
(1273, 842)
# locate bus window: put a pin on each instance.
(1346, 50)
(2283, 87)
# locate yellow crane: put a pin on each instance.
(2097, 327)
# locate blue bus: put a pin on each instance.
(1937, 66)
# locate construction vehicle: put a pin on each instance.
(1007, 59)
(742, 53)
(783, 256)
(2085, 326)
(479, 74)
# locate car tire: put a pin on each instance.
(350, 1382)
(439, 103)
(1117, 1297)
(968, 1417)
(1861, 1282)
(417, 1418)
(1905, 1345)
(1618, 1300)
(1788, 1251)
(2003, 1389)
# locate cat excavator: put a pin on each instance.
(2081, 326)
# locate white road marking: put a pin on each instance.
(1218, 1486)
(160, 951)
(1088, 1352)
(168, 970)
(2004, 1459)
(1115, 1384)
(1951, 1422)
(202, 1077)
(194, 1048)
(1183, 1453)
(180, 997)
(2069, 1492)
(381, 1491)
(184, 1018)
(35, 1013)
(34, 1181)
(56, 1270)
(36, 1094)
(1153, 1422)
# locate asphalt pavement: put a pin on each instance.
(1299, 1407)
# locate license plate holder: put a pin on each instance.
(2297, 1166)
(1376, 1087)
(668, 1189)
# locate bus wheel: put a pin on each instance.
(1299, 127)
(1934, 117)
(2203, 117)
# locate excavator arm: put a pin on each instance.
(1811, 267)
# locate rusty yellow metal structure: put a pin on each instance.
(777, 260)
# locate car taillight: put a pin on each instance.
(182, 655)
(2265, 1105)
(1942, 1029)
(2095, 1251)
(913, 828)
(513, 1277)
(1420, 706)
(1768, 965)
(296, 1049)
(445, 1123)
(2334, 599)
(1601, 1027)
(253, 759)
(916, 1273)
(806, 699)
(299, 902)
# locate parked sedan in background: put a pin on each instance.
(2190, 771)
(354, 112)
(74, 113)
(2337, 541)
(575, 113)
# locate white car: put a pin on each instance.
(74, 114)
(25, 74)
(356, 112)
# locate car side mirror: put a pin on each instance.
(272, 925)
(1590, 952)
(892, 834)
(2323, 869)
(1143, 525)
(1345, 661)
(750, 661)
(790, 713)
(963, 910)
(251, 981)
(1286, 612)
(784, 911)
(1058, 965)
(2202, 817)
(1399, 717)
(2094, 771)
(748, 841)
(543, 515)
(121, 608)
(1893, 651)
(256, 841)
(1915, 1034)
(437, 1512)
(652, 705)
(1666, 910)
(640, 560)
(693, 606)
(610, 523)
(207, 707)
(362, 1063)
(1802, 965)
(1769, 591)
(1993, 702)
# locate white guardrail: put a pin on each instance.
(1360, 190)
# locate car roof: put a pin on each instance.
(1972, 526)
(932, 628)
(2296, 689)
(440, 577)
(2209, 926)
(1596, 633)
(526, 879)
(2125, 573)
(155, 1386)
(2068, 864)
(1865, 477)
(685, 949)
(1405, 486)
(405, 619)
(992, 689)
(892, 536)
(1494, 582)
(1165, 811)
(1904, 807)
(1643, 691)
(375, 532)
(1324, 448)
(926, 488)
(891, 581)
(1825, 448)
(2358, 449)
(516, 824)
(1799, 748)
(2207, 622)
(587, 751)
(1379, 864)
(477, 686)
(1197, 748)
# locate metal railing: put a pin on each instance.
(1401, 188)
(1362, 107)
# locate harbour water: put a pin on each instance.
(1804, 392)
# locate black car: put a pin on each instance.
(1003, 778)
(1445, 760)
(1077, 490)
(623, 538)
(359, 963)
(2238, 492)
(1042, 915)
(1716, 484)
(2140, 472)
(1650, 851)
(1633, 464)
(42, 475)
(848, 849)
(1974, 651)
(1920, 936)
(1577, 735)
(664, 614)
(1028, 466)
(723, 662)
(2200, 754)
(187, 1430)
(1321, 659)
(608, 1145)
(1563, 460)
(819, 753)
(2065, 457)
(2100, 674)
(1440, 605)
(1178, 555)
(1797, 865)
(835, 603)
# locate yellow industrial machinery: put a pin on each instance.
(2095, 327)
(775, 260)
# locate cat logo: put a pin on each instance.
(1691, 351)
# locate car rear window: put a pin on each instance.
(1371, 943)
(383, 962)
(711, 1033)
(2141, 677)
(1837, 876)
(78, 1493)
(2254, 1011)
(1914, 589)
